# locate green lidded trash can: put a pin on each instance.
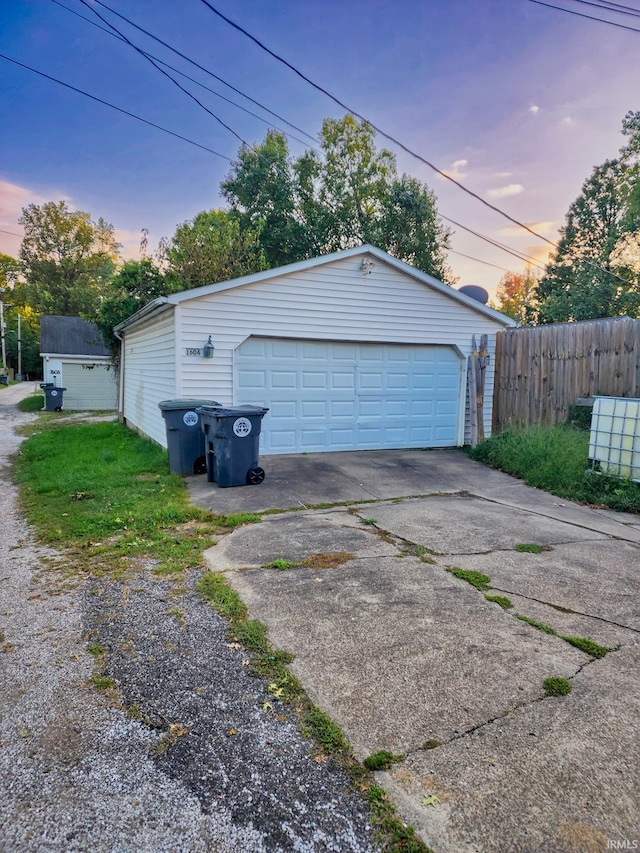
(53, 395)
(232, 444)
(185, 438)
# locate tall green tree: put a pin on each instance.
(596, 270)
(348, 194)
(66, 259)
(135, 284)
(213, 246)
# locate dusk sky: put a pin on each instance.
(517, 100)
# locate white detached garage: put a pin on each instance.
(351, 351)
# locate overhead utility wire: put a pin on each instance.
(13, 234)
(619, 6)
(202, 68)
(117, 34)
(114, 107)
(582, 15)
(382, 133)
(516, 254)
(182, 74)
(166, 74)
(621, 10)
(397, 142)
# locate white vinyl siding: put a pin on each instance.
(329, 301)
(149, 374)
(89, 385)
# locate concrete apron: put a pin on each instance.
(407, 658)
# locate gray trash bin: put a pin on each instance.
(232, 444)
(185, 438)
(53, 398)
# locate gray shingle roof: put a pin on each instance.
(70, 336)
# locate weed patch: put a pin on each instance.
(502, 600)
(368, 521)
(214, 589)
(101, 682)
(556, 459)
(280, 565)
(382, 760)
(34, 403)
(588, 646)
(476, 579)
(432, 743)
(531, 548)
(316, 724)
(556, 685)
(535, 624)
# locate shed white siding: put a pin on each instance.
(149, 374)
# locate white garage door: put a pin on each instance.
(348, 396)
(90, 386)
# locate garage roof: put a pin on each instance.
(70, 336)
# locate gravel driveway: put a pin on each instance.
(210, 768)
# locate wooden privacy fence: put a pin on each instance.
(541, 370)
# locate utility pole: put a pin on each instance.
(19, 348)
(2, 327)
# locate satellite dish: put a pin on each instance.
(474, 291)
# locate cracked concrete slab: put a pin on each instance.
(399, 652)
(561, 774)
(287, 537)
(468, 525)
(595, 577)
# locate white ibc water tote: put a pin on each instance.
(614, 441)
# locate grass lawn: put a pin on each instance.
(106, 493)
(555, 459)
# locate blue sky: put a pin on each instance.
(517, 100)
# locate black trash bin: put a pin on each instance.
(53, 398)
(185, 438)
(232, 444)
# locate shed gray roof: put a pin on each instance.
(70, 336)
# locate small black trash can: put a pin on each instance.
(232, 444)
(185, 438)
(53, 398)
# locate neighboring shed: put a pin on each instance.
(354, 350)
(75, 358)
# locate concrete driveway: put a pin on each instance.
(409, 658)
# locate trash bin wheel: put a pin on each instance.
(255, 476)
(58, 409)
(200, 465)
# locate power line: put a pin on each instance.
(166, 74)
(114, 107)
(13, 234)
(397, 142)
(117, 34)
(478, 261)
(202, 68)
(516, 254)
(620, 10)
(182, 74)
(382, 133)
(582, 15)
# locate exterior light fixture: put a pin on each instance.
(366, 267)
(207, 349)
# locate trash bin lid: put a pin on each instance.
(172, 405)
(232, 412)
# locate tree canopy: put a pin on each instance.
(66, 259)
(596, 270)
(349, 193)
(211, 247)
